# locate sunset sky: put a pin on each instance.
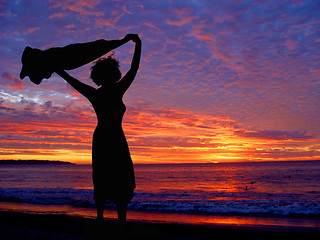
(219, 81)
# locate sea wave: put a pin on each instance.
(150, 202)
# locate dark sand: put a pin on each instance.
(16, 225)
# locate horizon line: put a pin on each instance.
(172, 163)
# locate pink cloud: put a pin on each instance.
(32, 29)
(290, 44)
(181, 22)
(12, 81)
(124, 8)
(80, 6)
(153, 26)
(56, 15)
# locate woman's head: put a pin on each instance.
(106, 71)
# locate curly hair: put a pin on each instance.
(105, 69)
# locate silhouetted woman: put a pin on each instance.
(113, 174)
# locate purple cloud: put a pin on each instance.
(277, 135)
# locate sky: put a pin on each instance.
(219, 81)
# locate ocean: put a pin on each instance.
(193, 193)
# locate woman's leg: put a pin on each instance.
(100, 208)
(122, 212)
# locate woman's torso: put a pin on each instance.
(109, 138)
(109, 107)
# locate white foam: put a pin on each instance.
(149, 201)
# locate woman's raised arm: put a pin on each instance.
(81, 87)
(126, 81)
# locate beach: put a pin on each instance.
(16, 226)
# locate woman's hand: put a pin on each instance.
(136, 39)
(129, 37)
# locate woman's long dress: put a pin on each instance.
(113, 174)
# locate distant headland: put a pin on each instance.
(34, 162)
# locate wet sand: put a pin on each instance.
(15, 225)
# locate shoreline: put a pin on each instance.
(34, 162)
(16, 226)
(255, 220)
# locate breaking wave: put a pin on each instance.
(152, 202)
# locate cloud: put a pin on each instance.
(57, 15)
(217, 78)
(277, 135)
(83, 7)
(152, 134)
(179, 23)
(32, 29)
(8, 79)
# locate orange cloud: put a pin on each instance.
(154, 135)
